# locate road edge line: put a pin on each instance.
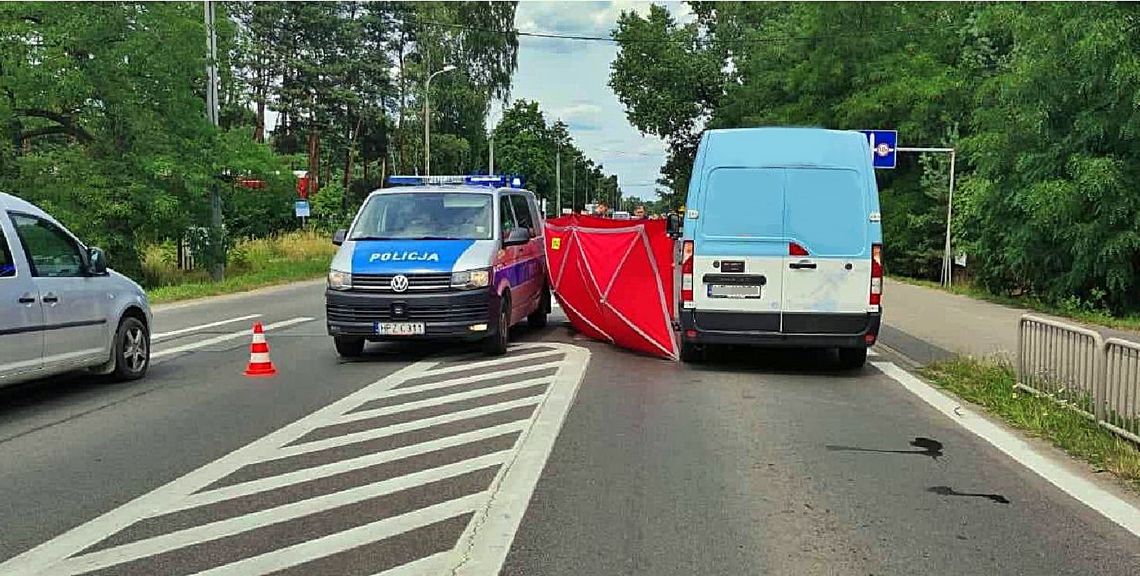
(1104, 502)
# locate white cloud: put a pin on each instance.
(569, 80)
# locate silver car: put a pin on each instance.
(61, 308)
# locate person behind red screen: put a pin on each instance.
(601, 209)
(639, 213)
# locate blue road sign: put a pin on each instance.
(882, 143)
(301, 207)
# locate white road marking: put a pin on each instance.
(464, 380)
(328, 545)
(484, 545)
(317, 445)
(476, 368)
(306, 474)
(506, 495)
(215, 530)
(429, 402)
(434, 564)
(1107, 504)
(158, 354)
(162, 335)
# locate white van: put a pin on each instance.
(61, 308)
(782, 243)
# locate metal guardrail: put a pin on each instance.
(1121, 387)
(1060, 361)
(1079, 368)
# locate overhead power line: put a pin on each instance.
(770, 39)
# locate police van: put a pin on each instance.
(440, 257)
(782, 243)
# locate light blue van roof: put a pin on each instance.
(784, 147)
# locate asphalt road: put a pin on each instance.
(564, 457)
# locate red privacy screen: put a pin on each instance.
(614, 280)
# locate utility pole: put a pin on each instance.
(558, 181)
(217, 247)
(491, 157)
(574, 186)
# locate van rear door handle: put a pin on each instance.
(802, 264)
(50, 298)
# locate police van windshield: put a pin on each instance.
(425, 216)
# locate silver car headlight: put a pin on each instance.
(471, 279)
(340, 280)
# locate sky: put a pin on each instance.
(569, 79)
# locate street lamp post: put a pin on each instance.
(427, 117)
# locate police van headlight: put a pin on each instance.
(471, 279)
(340, 280)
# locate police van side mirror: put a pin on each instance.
(339, 236)
(516, 237)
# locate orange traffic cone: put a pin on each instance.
(259, 362)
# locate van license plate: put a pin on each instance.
(399, 328)
(733, 291)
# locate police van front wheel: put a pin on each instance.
(349, 347)
(496, 344)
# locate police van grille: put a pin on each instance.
(413, 313)
(383, 282)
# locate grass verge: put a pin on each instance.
(252, 264)
(989, 383)
(1095, 317)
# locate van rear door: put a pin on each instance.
(739, 264)
(828, 267)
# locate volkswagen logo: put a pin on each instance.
(399, 283)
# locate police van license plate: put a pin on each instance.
(733, 291)
(399, 328)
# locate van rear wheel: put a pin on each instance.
(537, 319)
(852, 358)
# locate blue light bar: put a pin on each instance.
(494, 180)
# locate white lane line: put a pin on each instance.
(229, 527)
(464, 380)
(872, 353)
(225, 338)
(541, 357)
(317, 445)
(306, 474)
(1107, 504)
(349, 539)
(484, 545)
(162, 335)
(438, 400)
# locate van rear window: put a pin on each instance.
(744, 202)
(827, 211)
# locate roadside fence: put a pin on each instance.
(1079, 368)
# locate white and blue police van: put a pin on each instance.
(782, 243)
(439, 257)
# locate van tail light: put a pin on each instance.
(795, 249)
(876, 274)
(687, 271)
